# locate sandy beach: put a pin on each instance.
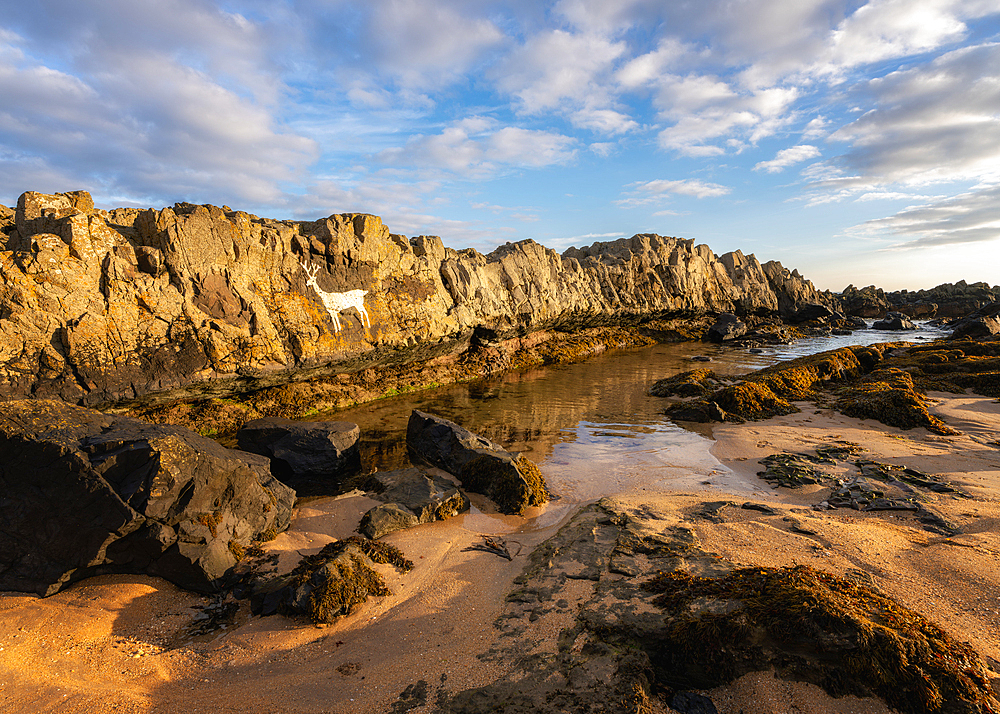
(120, 644)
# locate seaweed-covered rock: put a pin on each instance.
(656, 615)
(790, 470)
(332, 582)
(888, 395)
(412, 497)
(83, 493)
(510, 480)
(694, 383)
(841, 634)
(314, 457)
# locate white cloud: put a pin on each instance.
(474, 147)
(603, 121)
(788, 157)
(557, 67)
(935, 122)
(642, 193)
(970, 217)
(425, 43)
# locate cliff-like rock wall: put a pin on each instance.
(100, 307)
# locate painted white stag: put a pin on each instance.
(336, 303)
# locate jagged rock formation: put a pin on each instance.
(949, 300)
(100, 307)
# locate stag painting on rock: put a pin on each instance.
(336, 303)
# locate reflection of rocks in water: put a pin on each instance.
(527, 411)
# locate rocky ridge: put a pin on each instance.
(948, 300)
(107, 307)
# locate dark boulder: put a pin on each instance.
(727, 327)
(83, 494)
(412, 496)
(812, 311)
(983, 322)
(511, 481)
(855, 322)
(894, 321)
(314, 457)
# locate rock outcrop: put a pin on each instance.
(103, 307)
(894, 321)
(313, 457)
(949, 300)
(83, 494)
(511, 481)
(411, 497)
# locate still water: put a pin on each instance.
(591, 427)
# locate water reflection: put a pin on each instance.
(592, 427)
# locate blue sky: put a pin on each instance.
(856, 141)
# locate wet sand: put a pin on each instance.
(117, 643)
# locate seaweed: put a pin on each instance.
(695, 383)
(888, 395)
(847, 637)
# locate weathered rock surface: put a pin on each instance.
(949, 300)
(984, 322)
(103, 307)
(727, 327)
(82, 494)
(644, 613)
(511, 481)
(894, 321)
(313, 457)
(412, 496)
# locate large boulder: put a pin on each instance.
(511, 481)
(984, 322)
(812, 311)
(83, 493)
(412, 496)
(894, 321)
(727, 327)
(314, 457)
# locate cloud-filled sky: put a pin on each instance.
(856, 141)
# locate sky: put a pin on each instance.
(858, 142)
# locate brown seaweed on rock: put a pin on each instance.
(845, 635)
(331, 583)
(885, 382)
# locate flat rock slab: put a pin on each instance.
(511, 481)
(314, 457)
(412, 496)
(83, 493)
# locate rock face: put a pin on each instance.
(313, 457)
(100, 307)
(509, 480)
(84, 494)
